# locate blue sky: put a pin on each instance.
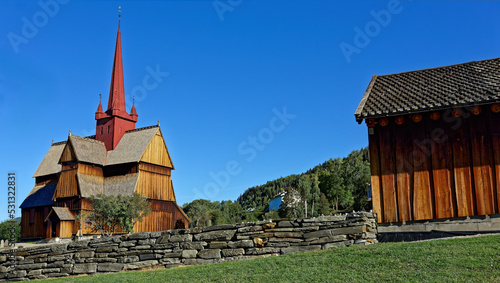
(246, 91)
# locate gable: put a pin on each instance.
(131, 146)
(68, 153)
(157, 152)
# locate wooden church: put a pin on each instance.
(118, 160)
(434, 141)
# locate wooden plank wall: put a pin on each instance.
(155, 185)
(34, 230)
(67, 185)
(436, 168)
(157, 152)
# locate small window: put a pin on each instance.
(32, 215)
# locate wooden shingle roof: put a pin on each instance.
(458, 85)
(88, 150)
(131, 146)
(62, 213)
(40, 196)
(50, 163)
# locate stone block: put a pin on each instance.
(149, 256)
(189, 253)
(79, 244)
(209, 254)
(219, 227)
(143, 247)
(173, 255)
(84, 268)
(147, 242)
(285, 224)
(163, 239)
(249, 229)
(110, 267)
(218, 245)
(51, 270)
(140, 264)
(169, 261)
(181, 238)
(219, 235)
(241, 244)
(139, 236)
(198, 261)
(233, 252)
(260, 251)
(127, 244)
(31, 266)
(193, 245)
(288, 234)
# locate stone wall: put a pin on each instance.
(187, 246)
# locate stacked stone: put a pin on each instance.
(187, 246)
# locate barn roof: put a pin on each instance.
(49, 164)
(88, 150)
(62, 213)
(40, 196)
(464, 84)
(132, 146)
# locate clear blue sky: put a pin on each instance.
(231, 66)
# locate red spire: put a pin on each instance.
(133, 112)
(99, 108)
(116, 99)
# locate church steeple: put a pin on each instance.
(116, 101)
(112, 124)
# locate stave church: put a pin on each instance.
(118, 160)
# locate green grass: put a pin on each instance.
(465, 259)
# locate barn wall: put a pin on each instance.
(436, 168)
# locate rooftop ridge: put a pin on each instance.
(143, 128)
(439, 67)
(87, 138)
(59, 143)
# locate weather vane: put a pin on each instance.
(100, 97)
(119, 11)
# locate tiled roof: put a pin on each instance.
(49, 164)
(464, 84)
(40, 196)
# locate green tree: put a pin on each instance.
(324, 205)
(315, 195)
(305, 190)
(6, 230)
(110, 213)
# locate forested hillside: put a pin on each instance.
(336, 185)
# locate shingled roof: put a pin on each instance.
(88, 150)
(464, 84)
(40, 196)
(131, 146)
(62, 213)
(49, 164)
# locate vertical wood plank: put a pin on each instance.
(422, 195)
(388, 174)
(404, 169)
(462, 172)
(482, 165)
(375, 176)
(495, 141)
(442, 170)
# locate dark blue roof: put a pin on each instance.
(40, 196)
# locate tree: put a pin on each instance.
(6, 230)
(199, 212)
(291, 203)
(315, 194)
(324, 205)
(111, 213)
(305, 190)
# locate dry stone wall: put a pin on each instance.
(187, 246)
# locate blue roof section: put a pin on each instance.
(275, 203)
(40, 196)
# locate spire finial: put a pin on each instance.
(158, 123)
(52, 142)
(119, 11)
(69, 134)
(133, 100)
(100, 97)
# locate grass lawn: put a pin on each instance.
(465, 259)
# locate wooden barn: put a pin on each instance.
(118, 160)
(434, 141)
